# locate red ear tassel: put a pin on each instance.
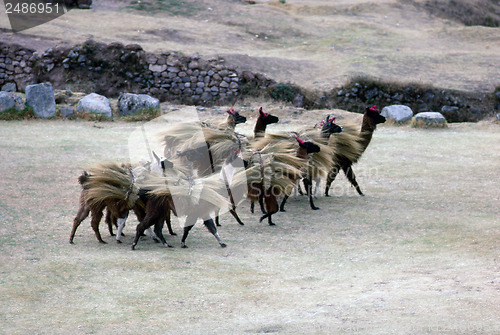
(262, 112)
(322, 123)
(373, 108)
(231, 111)
(299, 140)
(332, 119)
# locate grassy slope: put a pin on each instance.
(419, 251)
(313, 43)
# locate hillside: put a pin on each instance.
(316, 44)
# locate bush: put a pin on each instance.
(283, 92)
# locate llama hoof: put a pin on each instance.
(223, 245)
(156, 240)
(166, 245)
(241, 223)
(133, 246)
(218, 225)
(327, 195)
(282, 210)
(272, 224)
(183, 245)
(315, 208)
(112, 234)
(362, 194)
(173, 234)
(118, 241)
(103, 242)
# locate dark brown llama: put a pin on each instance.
(371, 118)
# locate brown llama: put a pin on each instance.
(318, 163)
(118, 204)
(272, 171)
(343, 160)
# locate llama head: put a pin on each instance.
(308, 145)
(329, 126)
(267, 118)
(374, 114)
(237, 118)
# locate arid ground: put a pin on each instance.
(419, 254)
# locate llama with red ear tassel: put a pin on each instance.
(345, 158)
(262, 122)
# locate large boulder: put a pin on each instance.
(398, 113)
(41, 98)
(9, 100)
(429, 119)
(129, 103)
(96, 104)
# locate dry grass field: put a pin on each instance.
(418, 254)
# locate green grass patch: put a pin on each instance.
(15, 114)
(146, 114)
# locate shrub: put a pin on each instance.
(283, 92)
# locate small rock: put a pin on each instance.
(95, 103)
(9, 87)
(399, 113)
(449, 109)
(41, 98)
(66, 112)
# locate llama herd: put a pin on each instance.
(208, 169)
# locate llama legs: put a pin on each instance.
(209, 223)
(352, 178)
(308, 187)
(96, 218)
(83, 212)
(331, 177)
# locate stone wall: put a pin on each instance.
(170, 76)
(111, 69)
(16, 65)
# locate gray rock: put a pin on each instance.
(66, 112)
(129, 103)
(449, 109)
(9, 100)
(9, 87)
(41, 98)
(399, 113)
(430, 117)
(95, 103)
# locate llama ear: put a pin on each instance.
(156, 157)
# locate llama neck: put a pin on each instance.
(366, 134)
(302, 153)
(260, 128)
